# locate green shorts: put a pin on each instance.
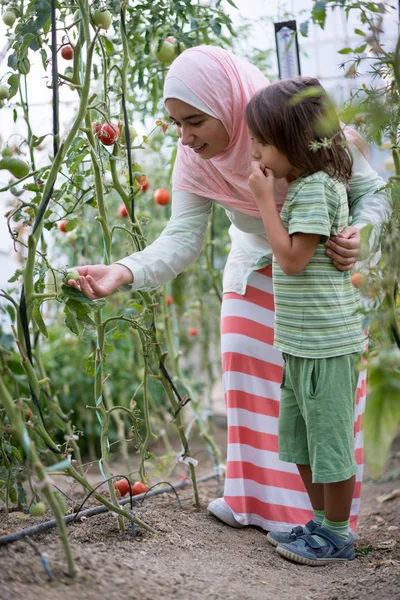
(316, 417)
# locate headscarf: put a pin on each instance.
(224, 84)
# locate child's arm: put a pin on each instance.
(293, 252)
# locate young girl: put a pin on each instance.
(317, 327)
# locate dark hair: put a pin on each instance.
(297, 117)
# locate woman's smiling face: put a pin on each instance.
(204, 134)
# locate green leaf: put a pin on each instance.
(359, 32)
(21, 494)
(16, 275)
(13, 82)
(304, 28)
(360, 49)
(37, 316)
(345, 51)
(71, 321)
(16, 367)
(109, 46)
(12, 493)
(16, 453)
(81, 311)
(318, 13)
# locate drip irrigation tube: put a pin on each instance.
(89, 512)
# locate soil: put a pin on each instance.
(195, 557)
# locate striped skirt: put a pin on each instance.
(260, 489)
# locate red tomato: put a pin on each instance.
(169, 300)
(62, 226)
(122, 211)
(108, 134)
(193, 331)
(162, 196)
(67, 52)
(357, 279)
(138, 488)
(122, 486)
(143, 182)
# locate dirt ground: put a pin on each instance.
(195, 557)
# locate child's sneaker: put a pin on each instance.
(307, 551)
(287, 537)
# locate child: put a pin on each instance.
(297, 135)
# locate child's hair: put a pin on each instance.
(297, 117)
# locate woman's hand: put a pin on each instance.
(261, 182)
(344, 249)
(98, 281)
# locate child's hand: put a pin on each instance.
(261, 182)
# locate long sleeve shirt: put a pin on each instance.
(182, 240)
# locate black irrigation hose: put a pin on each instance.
(89, 512)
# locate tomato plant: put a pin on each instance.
(76, 187)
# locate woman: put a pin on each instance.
(206, 92)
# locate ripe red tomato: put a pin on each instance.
(193, 331)
(67, 52)
(122, 211)
(162, 197)
(108, 134)
(62, 226)
(169, 300)
(122, 486)
(138, 488)
(143, 182)
(357, 279)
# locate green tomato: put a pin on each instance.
(132, 133)
(72, 274)
(101, 18)
(38, 509)
(7, 152)
(9, 18)
(4, 92)
(167, 52)
(17, 167)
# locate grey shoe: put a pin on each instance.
(220, 509)
(307, 551)
(287, 537)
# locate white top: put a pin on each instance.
(181, 242)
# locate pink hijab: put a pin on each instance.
(224, 83)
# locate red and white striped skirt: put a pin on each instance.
(261, 489)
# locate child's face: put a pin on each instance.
(273, 159)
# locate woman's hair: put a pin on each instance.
(297, 117)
